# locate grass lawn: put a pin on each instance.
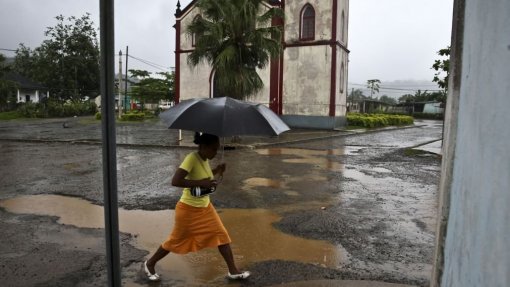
(10, 115)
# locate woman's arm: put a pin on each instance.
(180, 180)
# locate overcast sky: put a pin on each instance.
(390, 40)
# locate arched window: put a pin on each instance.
(307, 29)
(194, 37)
(342, 27)
(342, 78)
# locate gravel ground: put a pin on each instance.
(366, 193)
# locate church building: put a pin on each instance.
(307, 85)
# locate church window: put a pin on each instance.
(195, 36)
(307, 23)
(342, 78)
(343, 27)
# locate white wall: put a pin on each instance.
(34, 96)
(307, 80)
(477, 247)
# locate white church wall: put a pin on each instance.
(306, 80)
(194, 81)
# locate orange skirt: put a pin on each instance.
(195, 228)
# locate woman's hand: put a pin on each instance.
(220, 169)
(207, 183)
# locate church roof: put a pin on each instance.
(23, 82)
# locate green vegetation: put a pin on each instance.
(133, 117)
(428, 116)
(235, 38)
(10, 115)
(442, 67)
(152, 89)
(67, 61)
(378, 120)
(53, 108)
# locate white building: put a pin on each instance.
(307, 85)
(28, 90)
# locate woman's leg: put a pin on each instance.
(227, 254)
(151, 263)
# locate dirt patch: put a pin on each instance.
(37, 251)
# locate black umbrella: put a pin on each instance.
(224, 117)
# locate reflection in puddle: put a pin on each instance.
(265, 182)
(254, 238)
(318, 158)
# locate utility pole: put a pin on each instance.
(120, 85)
(126, 82)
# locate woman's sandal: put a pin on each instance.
(241, 276)
(150, 276)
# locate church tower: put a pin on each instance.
(307, 84)
(315, 63)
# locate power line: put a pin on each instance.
(154, 65)
(396, 89)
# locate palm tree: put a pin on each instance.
(235, 37)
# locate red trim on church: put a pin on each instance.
(274, 75)
(332, 96)
(177, 79)
(280, 82)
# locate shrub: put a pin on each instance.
(378, 120)
(133, 117)
(98, 116)
(55, 108)
(428, 116)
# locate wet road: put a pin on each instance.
(353, 207)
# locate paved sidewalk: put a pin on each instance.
(433, 147)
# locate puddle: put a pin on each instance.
(317, 158)
(254, 238)
(264, 182)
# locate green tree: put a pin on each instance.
(442, 67)
(373, 85)
(152, 89)
(388, 100)
(7, 88)
(235, 38)
(356, 95)
(407, 98)
(67, 62)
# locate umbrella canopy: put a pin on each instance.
(224, 117)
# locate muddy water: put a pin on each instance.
(254, 238)
(316, 158)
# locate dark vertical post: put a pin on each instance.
(126, 81)
(109, 141)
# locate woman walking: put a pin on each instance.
(197, 225)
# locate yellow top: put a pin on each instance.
(197, 169)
